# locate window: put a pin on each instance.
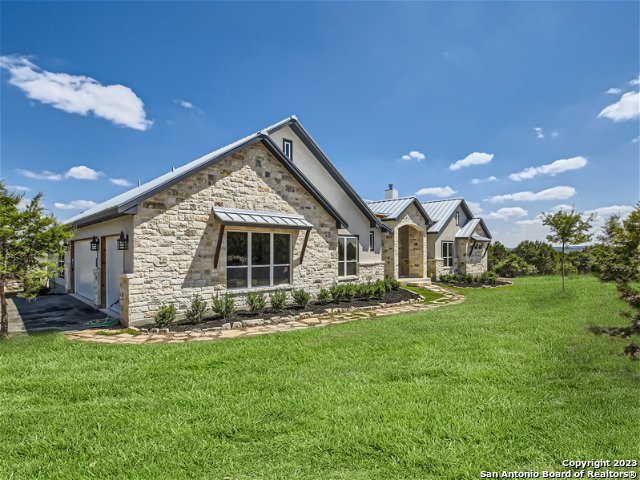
(457, 218)
(347, 256)
(371, 241)
(447, 254)
(287, 148)
(61, 265)
(258, 259)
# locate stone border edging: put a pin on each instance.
(248, 328)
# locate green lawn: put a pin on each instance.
(427, 295)
(509, 379)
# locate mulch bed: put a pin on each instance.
(499, 283)
(394, 296)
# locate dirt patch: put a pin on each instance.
(394, 296)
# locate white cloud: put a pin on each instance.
(82, 172)
(539, 133)
(614, 91)
(43, 175)
(559, 166)
(507, 212)
(627, 108)
(437, 191)
(602, 213)
(475, 207)
(122, 182)
(477, 181)
(413, 155)
(635, 81)
(636, 140)
(184, 103)
(475, 158)
(18, 188)
(562, 206)
(555, 134)
(75, 205)
(77, 93)
(553, 193)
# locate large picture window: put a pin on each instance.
(256, 259)
(347, 256)
(447, 254)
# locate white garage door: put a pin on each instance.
(84, 263)
(114, 269)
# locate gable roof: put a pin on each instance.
(393, 208)
(469, 228)
(441, 211)
(126, 203)
(295, 125)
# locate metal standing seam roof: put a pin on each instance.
(391, 208)
(236, 216)
(440, 210)
(480, 238)
(468, 229)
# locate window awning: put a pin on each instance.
(256, 218)
(480, 238)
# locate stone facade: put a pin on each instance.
(370, 272)
(175, 234)
(404, 249)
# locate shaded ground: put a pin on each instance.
(53, 312)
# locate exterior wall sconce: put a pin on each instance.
(123, 241)
(95, 241)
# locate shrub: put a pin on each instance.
(165, 316)
(366, 290)
(350, 291)
(379, 289)
(489, 278)
(393, 282)
(512, 266)
(256, 301)
(446, 278)
(196, 312)
(337, 293)
(324, 296)
(278, 300)
(301, 297)
(223, 305)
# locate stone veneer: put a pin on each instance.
(370, 272)
(417, 244)
(175, 234)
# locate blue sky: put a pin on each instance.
(94, 92)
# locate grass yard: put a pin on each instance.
(511, 379)
(427, 295)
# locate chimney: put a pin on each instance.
(391, 193)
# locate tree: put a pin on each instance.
(496, 252)
(512, 266)
(618, 260)
(567, 228)
(540, 255)
(29, 239)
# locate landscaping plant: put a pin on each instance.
(165, 316)
(257, 302)
(324, 296)
(278, 300)
(198, 308)
(301, 297)
(223, 305)
(337, 293)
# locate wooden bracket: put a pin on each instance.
(304, 245)
(218, 246)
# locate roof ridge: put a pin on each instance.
(443, 200)
(391, 199)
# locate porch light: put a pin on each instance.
(123, 241)
(95, 241)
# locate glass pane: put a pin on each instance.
(237, 277)
(351, 268)
(281, 275)
(281, 248)
(340, 249)
(352, 248)
(236, 248)
(341, 269)
(260, 248)
(260, 276)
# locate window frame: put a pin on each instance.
(61, 263)
(342, 239)
(372, 238)
(447, 260)
(271, 265)
(286, 142)
(457, 219)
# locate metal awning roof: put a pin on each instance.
(480, 238)
(256, 218)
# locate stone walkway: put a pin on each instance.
(248, 328)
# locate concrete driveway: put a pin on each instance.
(53, 312)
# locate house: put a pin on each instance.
(267, 211)
(457, 241)
(404, 246)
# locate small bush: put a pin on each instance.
(223, 305)
(196, 312)
(165, 316)
(379, 289)
(337, 293)
(301, 297)
(489, 278)
(512, 266)
(278, 300)
(257, 302)
(395, 284)
(350, 291)
(366, 290)
(324, 296)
